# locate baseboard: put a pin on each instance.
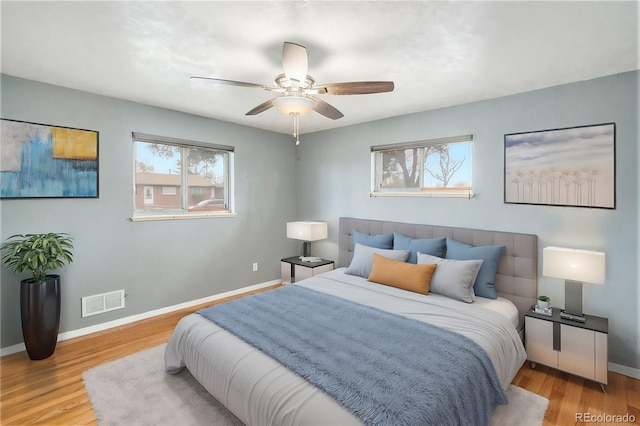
(624, 370)
(133, 318)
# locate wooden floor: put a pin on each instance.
(50, 391)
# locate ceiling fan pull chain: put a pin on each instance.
(295, 125)
(296, 128)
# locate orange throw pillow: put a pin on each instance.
(406, 276)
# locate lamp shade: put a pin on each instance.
(307, 231)
(294, 105)
(572, 264)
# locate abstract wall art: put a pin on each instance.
(43, 161)
(574, 166)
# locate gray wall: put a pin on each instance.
(336, 181)
(162, 263)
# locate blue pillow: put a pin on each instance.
(432, 246)
(490, 256)
(381, 241)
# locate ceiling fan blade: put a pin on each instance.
(294, 61)
(261, 108)
(231, 82)
(355, 88)
(326, 109)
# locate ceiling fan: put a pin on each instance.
(297, 88)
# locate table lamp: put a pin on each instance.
(575, 267)
(307, 232)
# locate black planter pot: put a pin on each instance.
(40, 311)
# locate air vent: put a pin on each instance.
(100, 303)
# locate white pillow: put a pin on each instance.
(362, 261)
(453, 278)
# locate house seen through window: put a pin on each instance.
(174, 176)
(436, 168)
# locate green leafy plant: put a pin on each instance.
(544, 298)
(37, 253)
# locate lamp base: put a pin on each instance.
(572, 317)
(306, 248)
(572, 301)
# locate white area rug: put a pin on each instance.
(135, 390)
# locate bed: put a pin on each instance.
(261, 391)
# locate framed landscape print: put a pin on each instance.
(43, 161)
(575, 166)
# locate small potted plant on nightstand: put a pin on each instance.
(544, 302)
(39, 254)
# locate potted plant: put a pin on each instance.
(39, 254)
(544, 302)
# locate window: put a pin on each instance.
(432, 168)
(169, 190)
(180, 179)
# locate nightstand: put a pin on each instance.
(577, 348)
(294, 269)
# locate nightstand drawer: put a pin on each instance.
(539, 342)
(577, 351)
(302, 272)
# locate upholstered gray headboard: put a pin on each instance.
(517, 273)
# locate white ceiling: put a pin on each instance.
(438, 53)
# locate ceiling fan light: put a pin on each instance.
(294, 105)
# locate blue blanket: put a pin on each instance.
(385, 368)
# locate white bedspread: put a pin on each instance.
(260, 391)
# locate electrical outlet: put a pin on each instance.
(255, 267)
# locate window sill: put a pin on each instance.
(462, 193)
(181, 216)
